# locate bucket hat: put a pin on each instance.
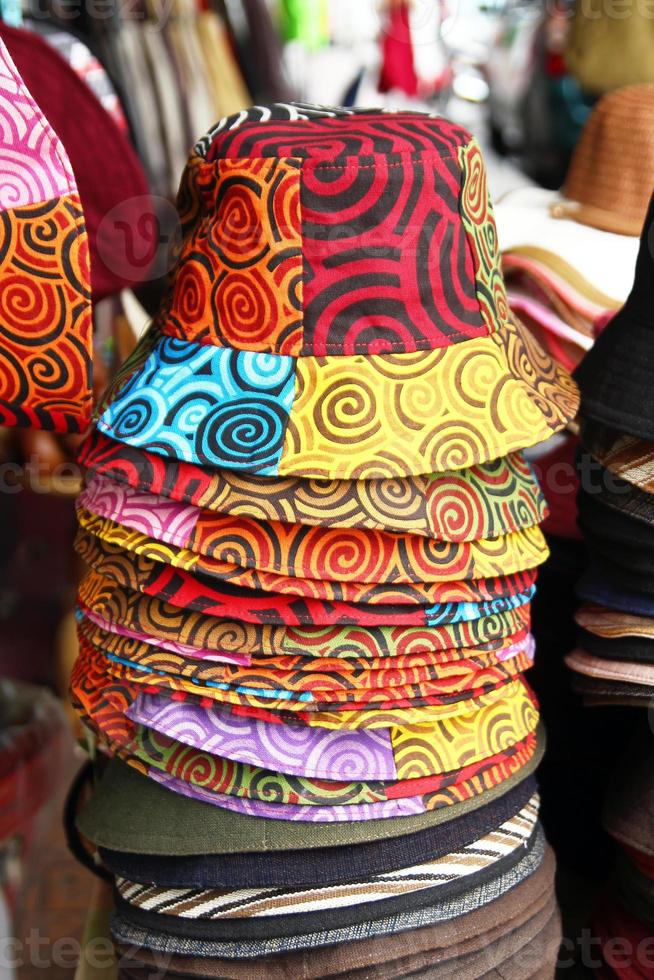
(125, 931)
(612, 524)
(512, 951)
(115, 205)
(626, 457)
(387, 754)
(629, 648)
(139, 522)
(614, 376)
(525, 551)
(129, 612)
(99, 540)
(505, 645)
(168, 823)
(168, 625)
(45, 360)
(600, 691)
(373, 374)
(323, 866)
(389, 707)
(441, 941)
(461, 601)
(484, 501)
(464, 673)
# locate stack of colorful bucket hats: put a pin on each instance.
(614, 661)
(312, 543)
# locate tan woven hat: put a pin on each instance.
(610, 179)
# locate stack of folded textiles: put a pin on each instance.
(614, 661)
(312, 543)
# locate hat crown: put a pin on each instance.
(316, 232)
(612, 169)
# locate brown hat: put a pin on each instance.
(610, 179)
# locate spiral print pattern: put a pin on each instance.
(384, 754)
(485, 501)
(241, 780)
(428, 407)
(238, 281)
(529, 551)
(337, 555)
(45, 317)
(190, 592)
(166, 624)
(35, 167)
(236, 418)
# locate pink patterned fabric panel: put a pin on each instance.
(34, 165)
(157, 517)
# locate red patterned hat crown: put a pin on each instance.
(337, 234)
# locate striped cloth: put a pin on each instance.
(195, 903)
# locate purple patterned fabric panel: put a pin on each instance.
(293, 749)
(284, 811)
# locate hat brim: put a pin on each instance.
(440, 942)
(602, 583)
(280, 558)
(307, 751)
(129, 812)
(603, 259)
(625, 456)
(485, 501)
(453, 601)
(626, 648)
(123, 607)
(614, 624)
(490, 889)
(352, 417)
(583, 662)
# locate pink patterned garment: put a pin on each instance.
(34, 168)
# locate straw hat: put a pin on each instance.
(590, 229)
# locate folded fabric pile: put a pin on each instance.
(614, 661)
(626, 909)
(313, 542)
(568, 256)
